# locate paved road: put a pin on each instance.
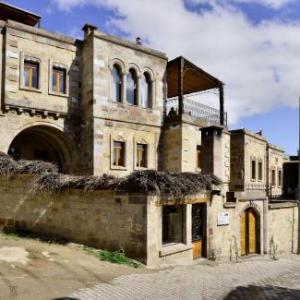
(254, 279)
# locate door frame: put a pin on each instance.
(204, 229)
(258, 229)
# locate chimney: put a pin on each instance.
(138, 41)
(88, 29)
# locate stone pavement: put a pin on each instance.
(255, 278)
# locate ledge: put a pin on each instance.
(229, 205)
(282, 205)
(173, 249)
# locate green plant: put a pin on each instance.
(115, 257)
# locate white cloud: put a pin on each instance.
(275, 4)
(260, 64)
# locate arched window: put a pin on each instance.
(131, 92)
(116, 86)
(146, 90)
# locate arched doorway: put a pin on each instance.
(42, 142)
(250, 232)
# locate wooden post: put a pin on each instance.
(180, 88)
(222, 114)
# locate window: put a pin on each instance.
(279, 178)
(131, 92)
(141, 155)
(273, 177)
(119, 154)
(146, 91)
(199, 157)
(31, 74)
(260, 170)
(253, 169)
(172, 224)
(116, 86)
(59, 80)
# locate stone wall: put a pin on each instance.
(282, 227)
(133, 222)
(275, 163)
(107, 120)
(101, 219)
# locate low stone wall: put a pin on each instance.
(277, 226)
(282, 227)
(133, 222)
(102, 219)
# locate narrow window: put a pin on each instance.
(31, 74)
(279, 178)
(146, 91)
(253, 169)
(119, 154)
(172, 224)
(199, 157)
(141, 156)
(116, 86)
(260, 170)
(59, 80)
(131, 92)
(273, 174)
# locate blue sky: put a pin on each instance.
(251, 45)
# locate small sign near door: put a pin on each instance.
(223, 218)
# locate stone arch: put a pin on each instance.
(252, 204)
(150, 72)
(43, 141)
(135, 67)
(120, 63)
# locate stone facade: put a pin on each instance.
(252, 162)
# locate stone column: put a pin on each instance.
(123, 94)
(138, 90)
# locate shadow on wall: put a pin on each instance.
(263, 293)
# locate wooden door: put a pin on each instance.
(249, 236)
(198, 229)
(243, 234)
(252, 231)
(197, 249)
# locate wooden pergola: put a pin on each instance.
(184, 77)
(9, 12)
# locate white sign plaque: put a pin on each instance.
(223, 218)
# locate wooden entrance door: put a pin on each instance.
(249, 232)
(199, 229)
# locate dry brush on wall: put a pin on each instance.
(147, 181)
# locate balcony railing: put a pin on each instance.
(195, 109)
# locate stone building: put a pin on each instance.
(107, 105)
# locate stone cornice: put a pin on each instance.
(128, 44)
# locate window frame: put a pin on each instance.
(34, 60)
(273, 178)
(121, 83)
(118, 139)
(182, 239)
(59, 73)
(60, 66)
(135, 77)
(145, 155)
(253, 178)
(147, 78)
(260, 175)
